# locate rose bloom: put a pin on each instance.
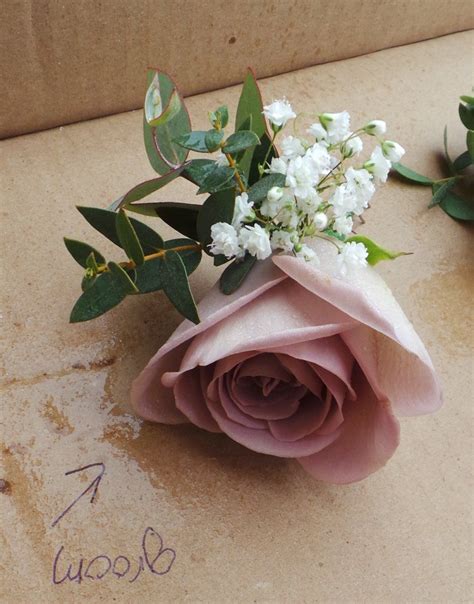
(299, 363)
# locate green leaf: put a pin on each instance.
(213, 139)
(144, 189)
(448, 159)
(440, 191)
(196, 141)
(164, 154)
(467, 99)
(376, 253)
(220, 117)
(466, 113)
(191, 258)
(334, 234)
(216, 179)
(234, 275)
(156, 115)
(182, 217)
(239, 141)
(128, 238)
(250, 104)
(104, 222)
(259, 190)
(80, 251)
(105, 293)
(259, 155)
(470, 143)
(91, 263)
(218, 207)
(462, 161)
(457, 207)
(88, 280)
(196, 170)
(411, 175)
(120, 275)
(176, 286)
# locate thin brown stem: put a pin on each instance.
(130, 265)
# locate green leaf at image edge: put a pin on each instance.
(103, 295)
(470, 144)
(234, 275)
(375, 253)
(411, 175)
(80, 251)
(176, 286)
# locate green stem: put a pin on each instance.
(130, 265)
(265, 159)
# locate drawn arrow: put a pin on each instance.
(93, 486)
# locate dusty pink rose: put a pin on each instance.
(297, 363)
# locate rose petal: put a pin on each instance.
(369, 436)
(303, 373)
(310, 416)
(233, 411)
(189, 396)
(363, 295)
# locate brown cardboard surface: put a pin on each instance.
(71, 61)
(245, 527)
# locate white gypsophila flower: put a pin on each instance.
(319, 133)
(278, 165)
(301, 176)
(306, 252)
(221, 159)
(291, 147)
(320, 221)
(224, 240)
(393, 151)
(352, 256)
(375, 128)
(343, 225)
(243, 211)
(279, 112)
(352, 147)
(283, 240)
(320, 159)
(275, 194)
(359, 185)
(309, 205)
(378, 165)
(337, 125)
(256, 241)
(342, 201)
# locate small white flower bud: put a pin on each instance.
(320, 221)
(275, 194)
(375, 128)
(393, 151)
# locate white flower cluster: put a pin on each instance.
(326, 188)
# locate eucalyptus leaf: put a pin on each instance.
(446, 153)
(182, 217)
(457, 207)
(104, 222)
(128, 238)
(88, 281)
(239, 141)
(467, 99)
(259, 190)
(91, 263)
(218, 207)
(217, 178)
(80, 251)
(176, 286)
(466, 113)
(213, 139)
(221, 116)
(462, 161)
(190, 257)
(196, 170)
(169, 112)
(164, 154)
(234, 275)
(470, 143)
(411, 175)
(375, 253)
(250, 104)
(105, 293)
(440, 191)
(121, 277)
(195, 141)
(259, 154)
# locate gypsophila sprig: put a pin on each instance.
(269, 191)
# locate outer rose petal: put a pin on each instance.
(363, 295)
(369, 437)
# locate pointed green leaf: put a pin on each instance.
(126, 284)
(470, 143)
(144, 189)
(155, 114)
(440, 191)
(376, 253)
(128, 238)
(217, 178)
(261, 152)
(88, 280)
(92, 263)
(467, 99)
(466, 113)
(239, 141)
(196, 170)
(213, 140)
(462, 161)
(104, 294)
(218, 207)
(250, 104)
(164, 154)
(190, 257)
(446, 153)
(104, 222)
(234, 275)
(182, 217)
(411, 175)
(457, 207)
(80, 251)
(195, 141)
(259, 190)
(220, 117)
(176, 286)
